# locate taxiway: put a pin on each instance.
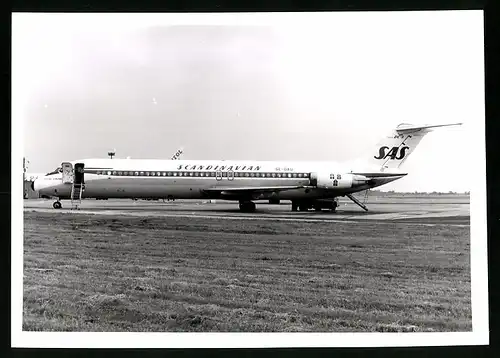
(426, 211)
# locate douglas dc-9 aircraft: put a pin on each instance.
(307, 184)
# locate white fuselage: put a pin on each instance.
(191, 179)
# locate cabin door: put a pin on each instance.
(67, 173)
(79, 173)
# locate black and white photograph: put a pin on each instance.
(254, 179)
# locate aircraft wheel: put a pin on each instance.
(247, 206)
(303, 208)
(294, 206)
(57, 205)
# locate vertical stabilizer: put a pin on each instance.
(393, 150)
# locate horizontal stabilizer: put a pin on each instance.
(409, 128)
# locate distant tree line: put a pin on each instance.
(391, 192)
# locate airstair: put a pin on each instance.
(357, 201)
(76, 195)
(74, 176)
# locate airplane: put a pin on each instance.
(308, 185)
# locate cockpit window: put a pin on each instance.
(58, 170)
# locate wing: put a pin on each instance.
(249, 191)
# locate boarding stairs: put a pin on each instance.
(76, 195)
(358, 202)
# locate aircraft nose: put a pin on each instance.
(37, 185)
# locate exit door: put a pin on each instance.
(79, 173)
(67, 173)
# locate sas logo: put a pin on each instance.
(395, 153)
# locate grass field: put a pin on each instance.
(91, 273)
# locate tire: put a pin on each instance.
(247, 207)
(57, 205)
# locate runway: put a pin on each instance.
(424, 211)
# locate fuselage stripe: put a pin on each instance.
(198, 174)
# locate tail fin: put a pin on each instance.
(393, 150)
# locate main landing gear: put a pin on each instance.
(57, 205)
(247, 206)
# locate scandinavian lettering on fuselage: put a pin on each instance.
(218, 167)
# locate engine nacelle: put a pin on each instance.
(326, 180)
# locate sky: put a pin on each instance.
(324, 86)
